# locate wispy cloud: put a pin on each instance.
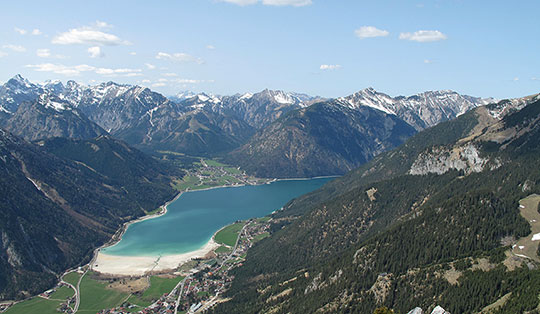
(178, 57)
(46, 53)
(133, 53)
(370, 32)
(78, 69)
(36, 32)
(20, 31)
(211, 47)
(150, 66)
(3, 54)
(423, 36)
(330, 67)
(95, 52)
(427, 61)
(89, 35)
(516, 79)
(294, 3)
(43, 53)
(15, 48)
(170, 74)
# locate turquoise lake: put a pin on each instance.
(192, 219)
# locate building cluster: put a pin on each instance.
(206, 281)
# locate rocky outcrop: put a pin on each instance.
(440, 160)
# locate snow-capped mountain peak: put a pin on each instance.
(421, 110)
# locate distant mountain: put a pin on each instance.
(322, 139)
(16, 91)
(425, 224)
(422, 110)
(50, 116)
(261, 109)
(56, 208)
(204, 124)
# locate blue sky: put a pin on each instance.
(329, 48)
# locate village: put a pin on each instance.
(204, 283)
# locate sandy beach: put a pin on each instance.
(139, 265)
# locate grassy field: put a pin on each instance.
(35, 305)
(529, 210)
(263, 219)
(229, 234)
(153, 212)
(233, 170)
(188, 182)
(158, 286)
(261, 236)
(95, 296)
(72, 277)
(222, 249)
(213, 163)
(62, 293)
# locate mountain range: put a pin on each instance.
(263, 132)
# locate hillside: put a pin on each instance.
(322, 139)
(424, 224)
(58, 207)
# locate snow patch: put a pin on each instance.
(536, 237)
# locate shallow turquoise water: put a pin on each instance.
(195, 216)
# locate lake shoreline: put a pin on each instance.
(121, 265)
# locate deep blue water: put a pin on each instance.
(195, 216)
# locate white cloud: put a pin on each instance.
(145, 81)
(294, 3)
(423, 36)
(211, 47)
(15, 48)
(95, 52)
(534, 78)
(61, 69)
(159, 84)
(241, 2)
(189, 81)
(89, 35)
(133, 53)
(150, 66)
(170, 74)
(101, 24)
(516, 79)
(124, 72)
(78, 69)
(330, 67)
(427, 61)
(3, 54)
(20, 31)
(370, 32)
(36, 32)
(178, 57)
(43, 53)
(163, 80)
(46, 53)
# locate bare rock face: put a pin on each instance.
(440, 160)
